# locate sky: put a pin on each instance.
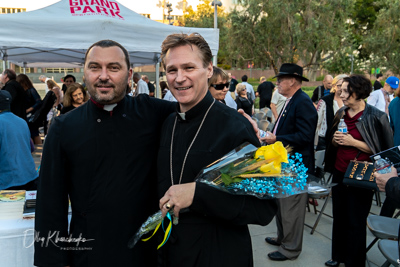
(139, 6)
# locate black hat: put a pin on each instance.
(5, 100)
(289, 69)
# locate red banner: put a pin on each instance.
(95, 7)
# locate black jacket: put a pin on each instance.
(374, 128)
(18, 101)
(329, 110)
(297, 127)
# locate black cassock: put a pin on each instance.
(214, 231)
(105, 161)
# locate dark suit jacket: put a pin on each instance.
(297, 127)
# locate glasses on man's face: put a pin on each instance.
(281, 79)
(220, 86)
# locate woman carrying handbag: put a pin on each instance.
(368, 132)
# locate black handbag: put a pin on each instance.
(360, 174)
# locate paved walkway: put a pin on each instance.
(316, 247)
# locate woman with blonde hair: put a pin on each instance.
(52, 85)
(327, 108)
(74, 97)
(242, 100)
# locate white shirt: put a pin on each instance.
(377, 99)
(229, 101)
(169, 97)
(142, 87)
(45, 82)
(278, 100)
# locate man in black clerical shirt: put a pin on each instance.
(202, 131)
(100, 156)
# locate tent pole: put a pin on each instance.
(158, 93)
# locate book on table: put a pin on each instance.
(11, 204)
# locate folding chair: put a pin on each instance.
(382, 228)
(259, 116)
(263, 124)
(319, 195)
(390, 250)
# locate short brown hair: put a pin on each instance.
(110, 43)
(181, 39)
(359, 85)
(10, 74)
(217, 72)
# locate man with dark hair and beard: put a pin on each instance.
(102, 157)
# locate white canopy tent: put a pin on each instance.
(63, 31)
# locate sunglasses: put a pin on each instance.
(220, 86)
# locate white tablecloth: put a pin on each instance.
(16, 243)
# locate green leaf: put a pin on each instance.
(226, 179)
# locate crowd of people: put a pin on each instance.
(118, 155)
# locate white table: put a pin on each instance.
(16, 242)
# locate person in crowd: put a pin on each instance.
(394, 115)
(74, 97)
(164, 88)
(218, 87)
(295, 127)
(169, 97)
(203, 131)
(243, 101)
(55, 88)
(115, 181)
(232, 85)
(249, 88)
(17, 168)
(368, 132)
(1, 81)
(377, 83)
(264, 91)
(34, 102)
(18, 94)
(44, 80)
(218, 84)
(277, 103)
(326, 109)
(141, 87)
(149, 85)
(67, 81)
(382, 98)
(322, 90)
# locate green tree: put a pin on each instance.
(275, 31)
(383, 40)
(204, 18)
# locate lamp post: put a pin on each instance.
(215, 4)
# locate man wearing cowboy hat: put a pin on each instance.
(295, 126)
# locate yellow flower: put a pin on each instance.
(275, 152)
(272, 168)
(260, 152)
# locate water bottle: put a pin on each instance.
(342, 126)
(382, 165)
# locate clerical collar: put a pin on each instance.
(105, 107)
(197, 110)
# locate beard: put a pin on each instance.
(113, 96)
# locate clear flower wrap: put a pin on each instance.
(265, 172)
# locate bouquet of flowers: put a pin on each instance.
(265, 172)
